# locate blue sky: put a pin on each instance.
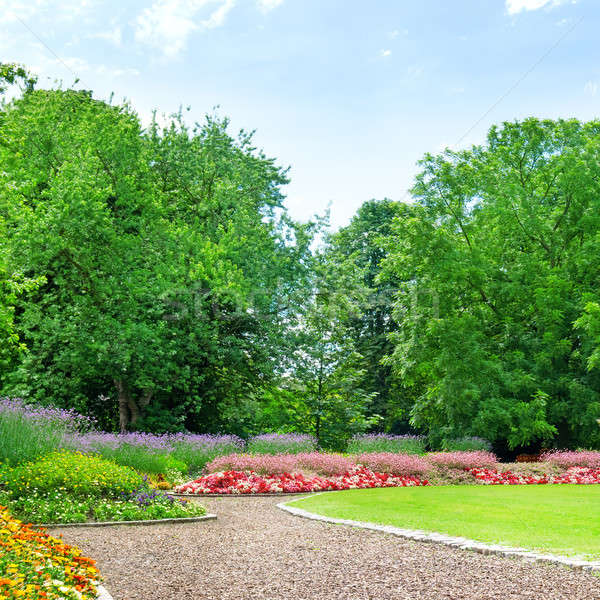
(349, 93)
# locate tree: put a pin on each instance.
(498, 258)
(168, 262)
(324, 388)
(362, 245)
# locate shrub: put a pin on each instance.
(277, 464)
(76, 474)
(465, 444)
(149, 453)
(28, 431)
(35, 565)
(195, 450)
(384, 442)
(572, 458)
(530, 469)
(463, 460)
(394, 463)
(325, 464)
(445, 476)
(281, 443)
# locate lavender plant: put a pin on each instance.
(281, 443)
(150, 453)
(385, 442)
(29, 431)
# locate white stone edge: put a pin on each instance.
(447, 540)
(103, 593)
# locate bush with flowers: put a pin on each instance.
(71, 487)
(35, 566)
(573, 475)
(249, 482)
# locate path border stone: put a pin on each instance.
(447, 540)
(103, 593)
(209, 517)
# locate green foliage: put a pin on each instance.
(142, 459)
(24, 439)
(11, 73)
(466, 444)
(497, 258)
(405, 444)
(362, 247)
(61, 507)
(168, 265)
(78, 475)
(323, 395)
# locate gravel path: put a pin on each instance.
(257, 552)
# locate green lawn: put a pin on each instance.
(562, 519)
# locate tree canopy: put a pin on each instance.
(498, 259)
(152, 277)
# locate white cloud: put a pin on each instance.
(113, 36)
(385, 53)
(15, 10)
(167, 24)
(268, 5)
(591, 88)
(516, 6)
(12, 11)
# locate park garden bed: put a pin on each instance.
(320, 473)
(36, 566)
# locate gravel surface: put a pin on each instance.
(256, 552)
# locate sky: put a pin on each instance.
(350, 94)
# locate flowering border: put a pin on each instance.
(447, 540)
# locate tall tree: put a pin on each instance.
(362, 245)
(168, 262)
(498, 258)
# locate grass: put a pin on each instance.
(562, 519)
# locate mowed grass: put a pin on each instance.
(562, 519)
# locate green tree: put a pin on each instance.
(362, 245)
(168, 261)
(324, 389)
(498, 258)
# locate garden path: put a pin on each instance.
(255, 551)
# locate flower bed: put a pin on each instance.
(34, 565)
(572, 458)
(573, 475)
(243, 482)
(66, 487)
(277, 464)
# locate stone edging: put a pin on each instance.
(102, 593)
(208, 517)
(447, 540)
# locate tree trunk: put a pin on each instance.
(123, 405)
(134, 410)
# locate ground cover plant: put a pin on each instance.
(35, 566)
(562, 519)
